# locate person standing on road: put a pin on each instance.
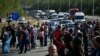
(35, 29)
(96, 42)
(7, 39)
(57, 35)
(24, 41)
(32, 38)
(85, 37)
(41, 37)
(13, 40)
(18, 34)
(2, 36)
(10, 29)
(67, 41)
(77, 45)
(97, 26)
(45, 35)
(50, 34)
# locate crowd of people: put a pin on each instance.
(80, 41)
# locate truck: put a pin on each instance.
(72, 13)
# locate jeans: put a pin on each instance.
(23, 44)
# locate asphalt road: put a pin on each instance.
(39, 51)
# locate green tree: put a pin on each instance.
(8, 6)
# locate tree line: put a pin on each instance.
(87, 5)
(8, 6)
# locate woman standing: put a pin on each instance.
(7, 37)
(2, 37)
(41, 37)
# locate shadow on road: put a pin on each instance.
(13, 51)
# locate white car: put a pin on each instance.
(79, 22)
(22, 22)
(64, 22)
(46, 20)
(54, 20)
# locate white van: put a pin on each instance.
(49, 13)
(79, 17)
(60, 16)
(54, 15)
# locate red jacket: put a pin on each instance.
(57, 34)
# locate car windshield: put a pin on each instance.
(65, 22)
(79, 17)
(54, 23)
(79, 22)
(54, 20)
(60, 16)
(54, 16)
(70, 25)
(44, 17)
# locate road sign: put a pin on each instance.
(15, 16)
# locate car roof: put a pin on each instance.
(25, 21)
(79, 14)
(67, 20)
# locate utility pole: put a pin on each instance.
(48, 5)
(23, 2)
(81, 5)
(69, 5)
(38, 4)
(60, 6)
(93, 9)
